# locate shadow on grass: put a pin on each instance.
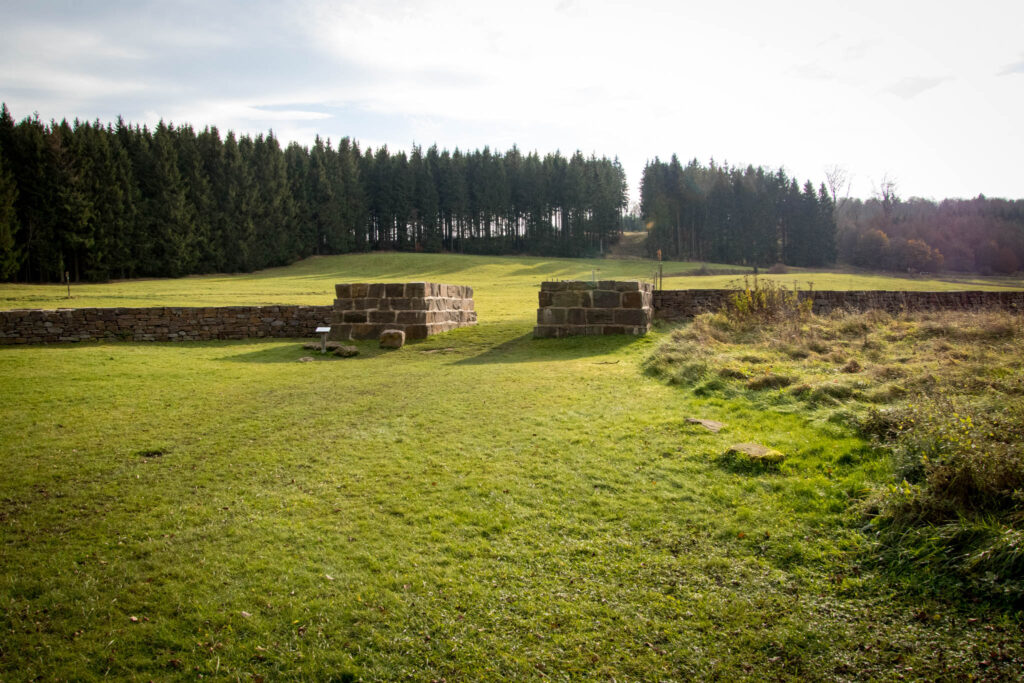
(291, 353)
(526, 349)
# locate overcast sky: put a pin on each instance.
(930, 94)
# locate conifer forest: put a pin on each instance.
(93, 202)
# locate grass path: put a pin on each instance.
(478, 506)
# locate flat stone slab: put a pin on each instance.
(710, 425)
(755, 453)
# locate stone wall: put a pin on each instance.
(420, 309)
(589, 308)
(160, 324)
(680, 304)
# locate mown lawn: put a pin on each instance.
(480, 505)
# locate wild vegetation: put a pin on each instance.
(942, 393)
(119, 200)
(477, 506)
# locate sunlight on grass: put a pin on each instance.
(477, 506)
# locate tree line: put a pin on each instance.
(970, 235)
(119, 200)
(750, 216)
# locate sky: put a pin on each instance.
(929, 95)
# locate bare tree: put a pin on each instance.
(886, 194)
(838, 180)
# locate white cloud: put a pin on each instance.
(804, 85)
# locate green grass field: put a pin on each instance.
(477, 506)
(505, 287)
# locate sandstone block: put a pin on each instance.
(411, 317)
(392, 339)
(550, 316)
(606, 299)
(566, 299)
(631, 316)
(576, 316)
(354, 316)
(633, 299)
(366, 304)
(367, 330)
(417, 331)
(381, 316)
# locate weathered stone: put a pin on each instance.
(306, 359)
(755, 454)
(576, 316)
(607, 299)
(550, 316)
(631, 316)
(392, 339)
(354, 316)
(345, 351)
(633, 299)
(566, 299)
(710, 425)
(381, 317)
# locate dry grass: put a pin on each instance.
(943, 392)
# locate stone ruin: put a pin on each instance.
(590, 308)
(420, 309)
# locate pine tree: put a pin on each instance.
(10, 253)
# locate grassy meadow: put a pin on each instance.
(477, 506)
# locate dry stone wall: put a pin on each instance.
(592, 308)
(685, 303)
(420, 309)
(159, 324)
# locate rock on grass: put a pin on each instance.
(752, 457)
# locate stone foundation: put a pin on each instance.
(589, 308)
(420, 309)
(159, 324)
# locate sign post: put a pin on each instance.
(323, 332)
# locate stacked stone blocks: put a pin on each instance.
(594, 308)
(159, 324)
(420, 309)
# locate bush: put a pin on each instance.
(765, 302)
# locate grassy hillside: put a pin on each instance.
(505, 287)
(478, 506)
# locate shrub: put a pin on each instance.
(766, 301)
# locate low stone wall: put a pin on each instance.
(589, 308)
(159, 324)
(680, 304)
(420, 309)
